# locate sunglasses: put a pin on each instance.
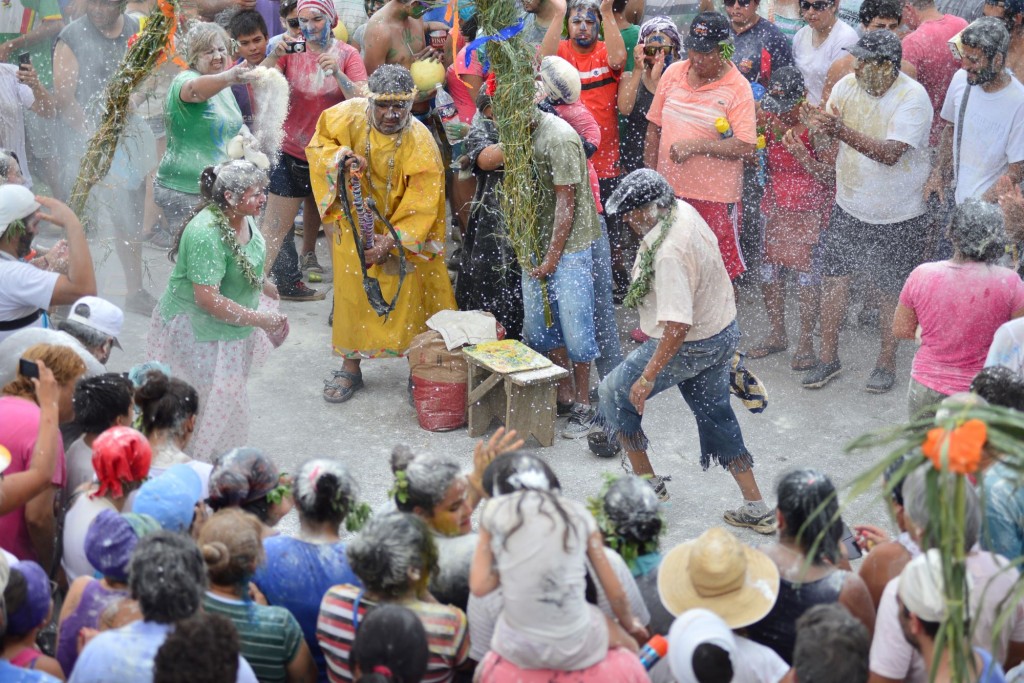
(819, 6)
(651, 50)
(292, 23)
(741, 3)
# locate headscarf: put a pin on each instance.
(119, 455)
(111, 539)
(661, 25)
(37, 603)
(326, 7)
(560, 79)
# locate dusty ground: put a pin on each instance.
(801, 428)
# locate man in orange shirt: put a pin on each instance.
(599, 64)
(694, 100)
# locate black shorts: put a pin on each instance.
(886, 253)
(290, 178)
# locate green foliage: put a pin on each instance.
(400, 491)
(357, 517)
(629, 551)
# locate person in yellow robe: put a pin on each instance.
(401, 169)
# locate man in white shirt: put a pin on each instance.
(881, 119)
(26, 291)
(983, 139)
(685, 300)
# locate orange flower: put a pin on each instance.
(963, 446)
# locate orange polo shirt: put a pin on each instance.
(685, 113)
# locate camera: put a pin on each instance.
(297, 46)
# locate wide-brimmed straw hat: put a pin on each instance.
(718, 573)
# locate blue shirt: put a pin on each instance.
(14, 674)
(1004, 512)
(127, 653)
(296, 576)
(991, 672)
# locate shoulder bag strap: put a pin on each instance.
(959, 135)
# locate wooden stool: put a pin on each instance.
(527, 403)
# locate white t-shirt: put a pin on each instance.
(893, 657)
(24, 289)
(993, 136)
(869, 190)
(1008, 347)
(79, 459)
(814, 62)
(542, 568)
(76, 523)
(482, 613)
(15, 98)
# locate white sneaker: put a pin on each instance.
(580, 421)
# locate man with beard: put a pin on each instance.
(922, 610)
(881, 119)
(401, 172)
(26, 291)
(1011, 13)
(983, 138)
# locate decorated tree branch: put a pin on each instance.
(152, 46)
(954, 447)
(512, 61)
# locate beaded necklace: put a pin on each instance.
(391, 161)
(642, 284)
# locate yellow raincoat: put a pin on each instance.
(415, 208)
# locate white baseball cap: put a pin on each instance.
(16, 202)
(98, 314)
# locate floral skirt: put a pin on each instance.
(219, 371)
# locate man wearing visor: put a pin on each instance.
(376, 147)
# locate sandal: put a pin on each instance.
(336, 393)
(765, 350)
(804, 363)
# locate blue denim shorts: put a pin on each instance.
(701, 372)
(571, 296)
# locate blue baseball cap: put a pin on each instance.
(171, 498)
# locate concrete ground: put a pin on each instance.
(800, 428)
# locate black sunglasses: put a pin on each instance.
(819, 6)
(651, 50)
(741, 3)
(292, 23)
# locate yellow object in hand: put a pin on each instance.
(426, 74)
(761, 142)
(722, 124)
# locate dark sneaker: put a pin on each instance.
(822, 374)
(742, 517)
(657, 484)
(300, 292)
(580, 420)
(880, 381)
(563, 409)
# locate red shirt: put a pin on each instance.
(926, 48)
(600, 95)
(311, 91)
(790, 186)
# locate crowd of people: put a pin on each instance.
(683, 154)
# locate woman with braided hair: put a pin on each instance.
(398, 169)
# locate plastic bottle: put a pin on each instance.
(723, 128)
(652, 651)
(762, 160)
(444, 105)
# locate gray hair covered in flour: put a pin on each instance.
(632, 508)
(428, 478)
(167, 576)
(201, 38)
(393, 553)
(324, 490)
(977, 231)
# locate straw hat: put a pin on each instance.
(718, 573)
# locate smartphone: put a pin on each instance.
(24, 59)
(849, 542)
(28, 368)
(297, 46)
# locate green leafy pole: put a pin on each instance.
(147, 50)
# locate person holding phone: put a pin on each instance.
(320, 74)
(21, 94)
(26, 291)
(31, 407)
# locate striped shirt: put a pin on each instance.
(270, 636)
(447, 635)
(600, 87)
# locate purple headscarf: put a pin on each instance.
(661, 25)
